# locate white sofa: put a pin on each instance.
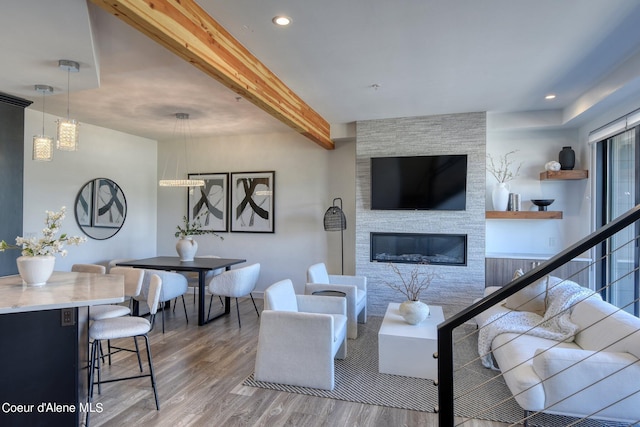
(548, 376)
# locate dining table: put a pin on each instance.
(198, 265)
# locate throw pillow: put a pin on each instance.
(533, 298)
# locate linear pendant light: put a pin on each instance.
(182, 121)
(67, 138)
(43, 144)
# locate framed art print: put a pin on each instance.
(209, 201)
(109, 204)
(252, 202)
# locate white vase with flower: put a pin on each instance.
(413, 310)
(37, 262)
(186, 246)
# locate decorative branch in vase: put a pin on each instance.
(420, 278)
(502, 171)
(186, 246)
(38, 261)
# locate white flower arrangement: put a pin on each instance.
(501, 170)
(48, 244)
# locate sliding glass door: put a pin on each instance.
(618, 192)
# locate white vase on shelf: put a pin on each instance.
(500, 196)
(186, 248)
(35, 270)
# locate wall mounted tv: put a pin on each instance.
(419, 183)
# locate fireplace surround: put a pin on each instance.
(415, 248)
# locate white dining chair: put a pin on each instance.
(89, 268)
(235, 283)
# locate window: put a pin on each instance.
(618, 177)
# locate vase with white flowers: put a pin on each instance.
(186, 245)
(502, 170)
(37, 262)
(420, 277)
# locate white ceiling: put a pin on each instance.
(427, 56)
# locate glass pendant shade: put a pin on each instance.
(67, 135)
(43, 144)
(42, 148)
(68, 130)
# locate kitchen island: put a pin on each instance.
(44, 357)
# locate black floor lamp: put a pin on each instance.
(334, 220)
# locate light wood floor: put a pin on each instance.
(199, 371)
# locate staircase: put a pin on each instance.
(449, 332)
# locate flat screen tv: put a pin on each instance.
(419, 183)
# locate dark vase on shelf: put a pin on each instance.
(567, 159)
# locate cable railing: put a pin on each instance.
(455, 331)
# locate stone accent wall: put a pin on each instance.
(456, 286)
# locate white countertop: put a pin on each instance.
(62, 290)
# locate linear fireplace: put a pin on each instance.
(443, 249)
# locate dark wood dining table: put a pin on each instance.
(198, 265)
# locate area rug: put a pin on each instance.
(358, 380)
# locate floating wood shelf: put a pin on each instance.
(524, 215)
(568, 175)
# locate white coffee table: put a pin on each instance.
(405, 349)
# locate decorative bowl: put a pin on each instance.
(542, 203)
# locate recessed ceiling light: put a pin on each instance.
(281, 20)
(550, 96)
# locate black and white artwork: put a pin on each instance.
(109, 207)
(252, 202)
(210, 201)
(84, 205)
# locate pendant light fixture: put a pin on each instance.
(43, 144)
(182, 122)
(67, 138)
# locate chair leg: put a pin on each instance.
(185, 310)
(153, 378)
(209, 311)
(238, 310)
(135, 341)
(162, 306)
(109, 351)
(254, 304)
(93, 355)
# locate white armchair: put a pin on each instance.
(300, 335)
(354, 288)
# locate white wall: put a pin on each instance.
(128, 160)
(301, 198)
(538, 237)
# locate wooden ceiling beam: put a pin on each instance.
(184, 28)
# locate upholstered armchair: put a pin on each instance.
(354, 288)
(300, 335)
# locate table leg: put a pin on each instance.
(201, 302)
(201, 298)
